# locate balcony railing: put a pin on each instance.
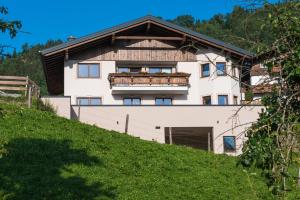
(147, 79)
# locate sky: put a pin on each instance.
(57, 19)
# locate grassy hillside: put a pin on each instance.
(49, 157)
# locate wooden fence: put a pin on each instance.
(21, 85)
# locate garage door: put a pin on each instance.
(196, 137)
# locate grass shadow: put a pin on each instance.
(32, 169)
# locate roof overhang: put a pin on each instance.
(148, 19)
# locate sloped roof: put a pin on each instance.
(147, 18)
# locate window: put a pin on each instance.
(222, 99)
(221, 69)
(229, 144)
(134, 70)
(234, 71)
(163, 101)
(132, 101)
(235, 100)
(88, 70)
(123, 70)
(154, 70)
(95, 101)
(206, 100)
(83, 101)
(205, 70)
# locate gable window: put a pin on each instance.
(205, 72)
(163, 101)
(153, 70)
(83, 101)
(91, 70)
(221, 69)
(235, 100)
(206, 100)
(132, 101)
(222, 99)
(133, 70)
(229, 144)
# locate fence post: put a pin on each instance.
(29, 96)
(27, 85)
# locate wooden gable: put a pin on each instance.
(138, 50)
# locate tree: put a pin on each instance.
(273, 141)
(10, 27)
(241, 27)
(185, 21)
(27, 62)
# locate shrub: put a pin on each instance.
(44, 106)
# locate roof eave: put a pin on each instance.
(196, 35)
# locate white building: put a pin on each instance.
(263, 81)
(150, 64)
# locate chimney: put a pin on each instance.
(71, 37)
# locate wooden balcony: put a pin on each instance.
(146, 83)
(147, 79)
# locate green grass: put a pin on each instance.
(49, 157)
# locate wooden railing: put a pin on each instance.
(19, 84)
(253, 102)
(161, 79)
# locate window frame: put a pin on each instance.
(225, 69)
(227, 103)
(129, 68)
(89, 76)
(160, 69)
(224, 147)
(132, 101)
(235, 100)
(203, 97)
(202, 75)
(89, 101)
(233, 71)
(163, 98)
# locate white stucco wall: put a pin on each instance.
(199, 87)
(61, 105)
(217, 85)
(144, 120)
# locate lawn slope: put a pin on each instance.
(54, 158)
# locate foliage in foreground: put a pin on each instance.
(273, 142)
(49, 157)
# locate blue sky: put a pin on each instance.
(57, 19)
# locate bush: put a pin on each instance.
(44, 106)
(249, 96)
